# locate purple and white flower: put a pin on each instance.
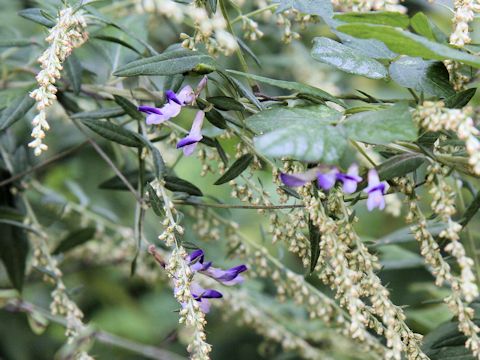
(173, 106)
(229, 277)
(326, 178)
(376, 189)
(189, 142)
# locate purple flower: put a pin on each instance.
(375, 191)
(326, 177)
(227, 277)
(189, 142)
(350, 179)
(202, 295)
(299, 179)
(173, 106)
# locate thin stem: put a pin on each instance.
(232, 206)
(255, 12)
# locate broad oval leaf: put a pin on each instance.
(15, 111)
(236, 169)
(291, 85)
(407, 43)
(428, 76)
(421, 25)
(169, 63)
(313, 143)
(383, 126)
(368, 47)
(281, 117)
(346, 59)
(114, 133)
(75, 238)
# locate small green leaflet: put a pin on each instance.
(407, 43)
(428, 76)
(15, 111)
(383, 126)
(128, 107)
(346, 59)
(236, 169)
(74, 239)
(114, 133)
(422, 26)
(99, 114)
(400, 165)
(174, 183)
(169, 63)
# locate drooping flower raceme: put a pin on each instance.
(68, 33)
(326, 178)
(375, 190)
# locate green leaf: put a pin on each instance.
(236, 169)
(155, 202)
(38, 16)
(16, 42)
(291, 85)
(346, 59)
(15, 111)
(368, 47)
(74, 73)
(225, 103)
(169, 63)
(99, 114)
(312, 143)
(314, 237)
(114, 132)
(382, 127)
(400, 165)
(128, 107)
(174, 183)
(280, 117)
(75, 238)
(391, 18)
(428, 76)
(404, 42)
(459, 100)
(421, 25)
(213, 5)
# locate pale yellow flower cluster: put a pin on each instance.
(464, 13)
(68, 33)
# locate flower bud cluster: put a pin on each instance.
(464, 13)
(67, 34)
(457, 78)
(168, 8)
(430, 250)
(209, 31)
(443, 204)
(250, 29)
(433, 116)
